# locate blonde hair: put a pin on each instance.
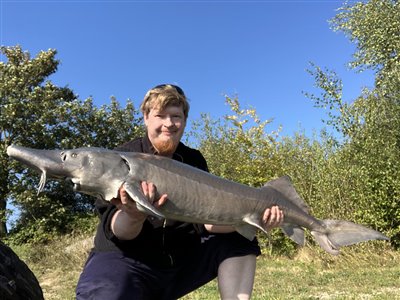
(162, 96)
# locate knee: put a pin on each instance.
(236, 277)
(239, 264)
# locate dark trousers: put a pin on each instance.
(115, 276)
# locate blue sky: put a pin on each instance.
(258, 50)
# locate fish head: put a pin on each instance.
(96, 171)
(93, 171)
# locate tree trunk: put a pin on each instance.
(3, 224)
(17, 282)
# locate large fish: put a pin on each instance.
(194, 196)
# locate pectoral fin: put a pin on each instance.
(248, 231)
(135, 192)
(249, 228)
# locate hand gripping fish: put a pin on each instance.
(194, 196)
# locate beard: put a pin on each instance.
(166, 148)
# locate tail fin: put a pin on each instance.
(344, 233)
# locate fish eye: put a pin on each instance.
(74, 155)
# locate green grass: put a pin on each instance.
(370, 271)
(315, 275)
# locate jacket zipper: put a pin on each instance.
(163, 243)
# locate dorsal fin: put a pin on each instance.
(284, 186)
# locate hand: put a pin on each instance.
(273, 217)
(150, 192)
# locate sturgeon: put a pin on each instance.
(194, 195)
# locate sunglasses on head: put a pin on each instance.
(177, 88)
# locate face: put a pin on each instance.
(165, 128)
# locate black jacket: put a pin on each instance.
(159, 243)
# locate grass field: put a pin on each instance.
(314, 275)
(358, 273)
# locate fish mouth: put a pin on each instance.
(76, 184)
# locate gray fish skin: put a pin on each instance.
(194, 196)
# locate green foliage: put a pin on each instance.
(27, 106)
(367, 158)
(373, 151)
(362, 174)
(237, 147)
(51, 228)
(107, 126)
(356, 179)
(374, 28)
(36, 113)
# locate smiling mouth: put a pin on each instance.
(168, 133)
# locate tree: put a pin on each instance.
(374, 28)
(369, 152)
(238, 147)
(38, 114)
(28, 107)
